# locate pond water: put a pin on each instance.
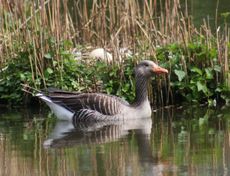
(194, 141)
(211, 10)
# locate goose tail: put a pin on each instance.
(61, 112)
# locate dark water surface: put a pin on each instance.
(210, 10)
(193, 141)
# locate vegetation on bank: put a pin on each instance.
(37, 39)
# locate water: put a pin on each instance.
(209, 10)
(191, 141)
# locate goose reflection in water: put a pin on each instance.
(66, 134)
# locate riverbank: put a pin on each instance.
(38, 40)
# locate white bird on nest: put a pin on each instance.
(102, 54)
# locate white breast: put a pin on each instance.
(142, 111)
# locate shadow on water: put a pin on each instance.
(192, 141)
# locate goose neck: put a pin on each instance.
(141, 90)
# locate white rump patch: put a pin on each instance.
(60, 112)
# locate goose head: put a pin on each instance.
(147, 68)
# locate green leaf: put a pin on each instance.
(202, 121)
(209, 73)
(217, 68)
(49, 70)
(211, 131)
(48, 56)
(225, 14)
(55, 63)
(180, 74)
(202, 87)
(64, 53)
(22, 76)
(68, 43)
(218, 89)
(196, 70)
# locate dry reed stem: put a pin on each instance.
(106, 23)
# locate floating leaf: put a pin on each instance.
(180, 74)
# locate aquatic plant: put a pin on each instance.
(195, 77)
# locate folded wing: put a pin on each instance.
(102, 103)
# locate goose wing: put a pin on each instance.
(102, 103)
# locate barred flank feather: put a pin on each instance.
(88, 115)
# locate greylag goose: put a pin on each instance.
(101, 107)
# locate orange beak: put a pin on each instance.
(159, 70)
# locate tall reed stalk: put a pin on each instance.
(100, 23)
(41, 26)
